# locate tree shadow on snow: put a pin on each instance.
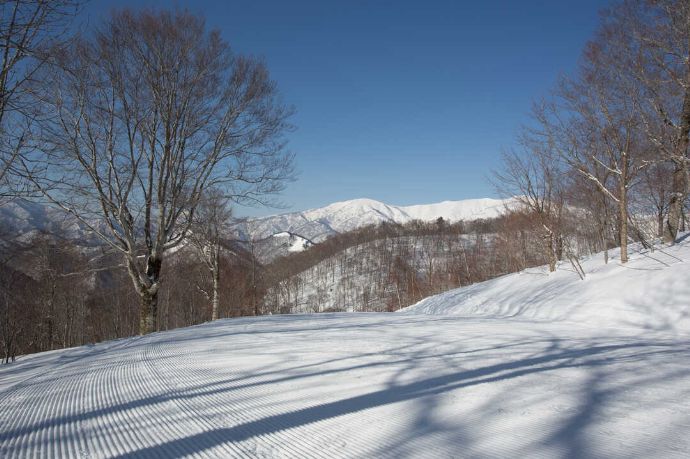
(554, 354)
(568, 436)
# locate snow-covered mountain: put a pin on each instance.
(29, 219)
(341, 217)
(276, 235)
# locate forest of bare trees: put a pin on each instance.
(612, 139)
(129, 127)
(146, 130)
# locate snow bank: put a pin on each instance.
(651, 291)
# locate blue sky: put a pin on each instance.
(407, 102)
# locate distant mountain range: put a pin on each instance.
(276, 235)
(28, 219)
(318, 224)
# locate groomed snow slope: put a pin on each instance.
(381, 385)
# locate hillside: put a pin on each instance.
(378, 275)
(527, 365)
(273, 236)
(651, 291)
(341, 217)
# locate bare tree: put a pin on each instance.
(212, 216)
(534, 178)
(594, 128)
(14, 294)
(655, 189)
(143, 117)
(586, 194)
(26, 28)
(652, 45)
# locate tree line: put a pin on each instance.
(612, 138)
(130, 126)
(391, 266)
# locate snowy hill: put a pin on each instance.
(279, 245)
(528, 365)
(361, 278)
(27, 219)
(293, 242)
(340, 217)
(651, 291)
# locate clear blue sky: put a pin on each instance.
(407, 102)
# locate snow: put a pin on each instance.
(357, 278)
(651, 291)
(528, 365)
(279, 245)
(293, 242)
(340, 217)
(453, 211)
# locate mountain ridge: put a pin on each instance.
(275, 235)
(317, 224)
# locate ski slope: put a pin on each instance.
(450, 377)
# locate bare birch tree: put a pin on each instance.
(207, 235)
(144, 116)
(655, 187)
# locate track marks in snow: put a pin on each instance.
(358, 385)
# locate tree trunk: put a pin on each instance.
(603, 226)
(255, 303)
(148, 315)
(623, 217)
(215, 301)
(549, 246)
(683, 221)
(559, 248)
(675, 206)
(680, 172)
(603, 239)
